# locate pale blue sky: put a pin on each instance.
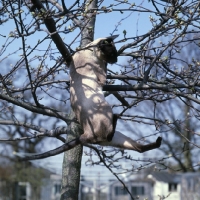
(133, 22)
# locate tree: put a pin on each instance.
(14, 171)
(37, 49)
(180, 114)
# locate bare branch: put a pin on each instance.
(50, 24)
(32, 108)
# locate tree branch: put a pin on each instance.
(51, 26)
(32, 108)
(42, 131)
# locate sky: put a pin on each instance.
(135, 24)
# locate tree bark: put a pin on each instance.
(71, 165)
(187, 133)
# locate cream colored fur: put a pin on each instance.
(88, 75)
(87, 100)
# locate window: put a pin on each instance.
(57, 188)
(172, 187)
(22, 191)
(191, 186)
(137, 190)
(120, 191)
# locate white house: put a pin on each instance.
(190, 186)
(166, 185)
(147, 184)
(151, 186)
(142, 185)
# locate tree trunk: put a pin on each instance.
(72, 158)
(71, 165)
(187, 133)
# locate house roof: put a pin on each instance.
(145, 179)
(166, 177)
